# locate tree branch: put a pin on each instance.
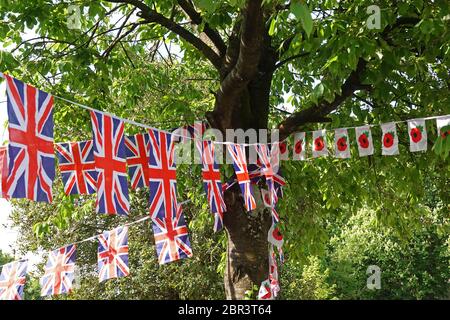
(283, 62)
(151, 16)
(246, 67)
(119, 36)
(351, 84)
(212, 34)
(318, 113)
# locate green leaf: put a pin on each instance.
(302, 13)
(207, 5)
(273, 25)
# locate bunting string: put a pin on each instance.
(150, 160)
(138, 124)
(94, 237)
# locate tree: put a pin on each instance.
(246, 55)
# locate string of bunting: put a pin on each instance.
(102, 166)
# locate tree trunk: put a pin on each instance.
(247, 249)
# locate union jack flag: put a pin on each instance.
(31, 155)
(59, 271)
(266, 169)
(162, 174)
(3, 171)
(77, 167)
(113, 254)
(278, 179)
(212, 184)
(111, 165)
(12, 280)
(138, 148)
(255, 174)
(171, 236)
(279, 182)
(237, 153)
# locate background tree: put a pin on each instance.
(236, 61)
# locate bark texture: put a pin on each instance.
(247, 254)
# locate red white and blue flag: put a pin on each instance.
(255, 174)
(162, 174)
(113, 254)
(110, 163)
(212, 184)
(31, 155)
(171, 236)
(77, 167)
(237, 153)
(275, 158)
(12, 280)
(138, 149)
(279, 182)
(3, 171)
(264, 156)
(59, 271)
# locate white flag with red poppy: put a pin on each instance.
(319, 144)
(265, 194)
(273, 273)
(441, 123)
(364, 141)
(389, 141)
(417, 135)
(341, 143)
(283, 150)
(275, 237)
(299, 146)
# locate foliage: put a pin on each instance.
(416, 268)
(307, 282)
